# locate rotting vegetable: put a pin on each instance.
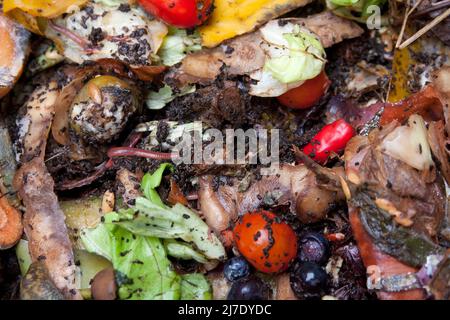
(131, 234)
(395, 217)
(95, 212)
(179, 13)
(236, 17)
(14, 53)
(250, 54)
(11, 227)
(266, 242)
(332, 139)
(307, 94)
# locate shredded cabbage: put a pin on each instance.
(157, 100)
(177, 44)
(299, 55)
(293, 55)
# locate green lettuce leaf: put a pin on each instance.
(142, 262)
(152, 181)
(356, 10)
(344, 3)
(157, 100)
(152, 218)
(147, 272)
(182, 250)
(195, 286)
(130, 239)
(177, 44)
(305, 58)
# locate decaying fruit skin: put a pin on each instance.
(11, 227)
(268, 243)
(37, 285)
(45, 227)
(391, 242)
(372, 256)
(104, 285)
(15, 49)
(102, 108)
(232, 18)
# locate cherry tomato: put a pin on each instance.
(179, 13)
(265, 241)
(306, 95)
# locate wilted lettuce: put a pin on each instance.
(151, 217)
(141, 262)
(131, 240)
(148, 274)
(296, 55)
(344, 3)
(177, 44)
(183, 250)
(158, 99)
(194, 286)
(357, 10)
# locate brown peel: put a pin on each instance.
(11, 227)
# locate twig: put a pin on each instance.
(56, 155)
(433, 7)
(405, 20)
(425, 29)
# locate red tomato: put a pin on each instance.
(179, 13)
(306, 95)
(265, 241)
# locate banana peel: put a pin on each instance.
(231, 18)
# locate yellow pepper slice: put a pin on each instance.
(231, 18)
(34, 24)
(42, 8)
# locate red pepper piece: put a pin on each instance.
(332, 138)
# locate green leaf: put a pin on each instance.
(98, 240)
(177, 44)
(143, 262)
(23, 256)
(157, 100)
(151, 181)
(395, 240)
(305, 58)
(182, 250)
(171, 223)
(344, 3)
(199, 234)
(356, 10)
(195, 286)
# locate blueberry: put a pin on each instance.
(313, 247)
(308, 280)
(236, 268)
(249, 288)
